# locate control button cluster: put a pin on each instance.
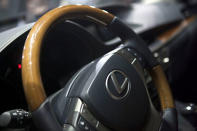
(82, 119)
(84, 125)
(17, 118)
(88, 116)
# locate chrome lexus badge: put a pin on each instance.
(117, 84)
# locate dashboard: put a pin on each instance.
(67, 47)
(58, 62)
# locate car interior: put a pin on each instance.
(98, 65)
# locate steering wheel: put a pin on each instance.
(109, 93)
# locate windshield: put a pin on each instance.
(18, 12)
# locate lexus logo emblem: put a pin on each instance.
(117, 84)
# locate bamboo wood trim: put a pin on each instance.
(162, 87)
(167, 35)
(32, 83)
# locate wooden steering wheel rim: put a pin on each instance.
(32, 83)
